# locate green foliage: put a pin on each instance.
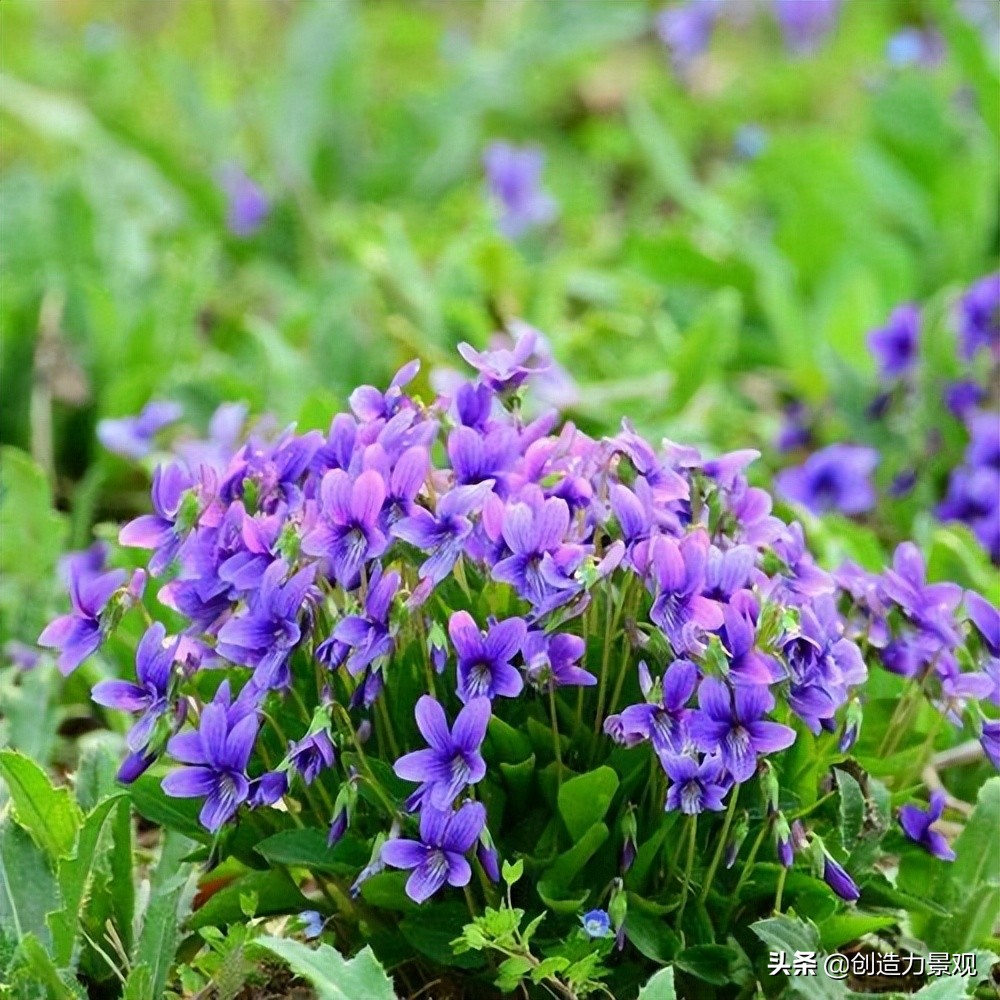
(331, 975)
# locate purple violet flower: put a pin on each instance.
(484, 666)
(132, 437)
(80, 633)
(514, 178)
(310, 755)
(164, 530)
(917, 823)
(503, 369)
(363, 639)
(350, 533)
(664, 722)
(452, 760)
(836, 478)
(552, 661)
(895, 345)
(439, 855)
(216, 757)
(443, 534)
(679, 572)
(265, 635)
(731, 721)
(149, 693)
(695, 787)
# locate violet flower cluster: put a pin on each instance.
(840, 477)
(686, 29)
(457, 561)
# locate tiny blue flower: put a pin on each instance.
(596, 923)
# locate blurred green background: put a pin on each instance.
(685, 282)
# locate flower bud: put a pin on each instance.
(783, 845)
(769, 788)
(852, 726)
(629, 834)
(737, 835)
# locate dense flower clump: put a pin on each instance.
(458, 565)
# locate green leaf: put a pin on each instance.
(564, 869)
(157, 940)
(789, 934)
(331, 975)
(841, 928)
(308, 849)
(139, 985)
(708, 346)
(584, 800)
(711, 963)
(650, 932)
(74, 877)
(26, 513)
(852, 808)
(48, 813)
(180, 815)
(431, 931)
(33, 957)
(276, 893)
(946, 988)
(559, 899)
(660, 987)
(28, 888)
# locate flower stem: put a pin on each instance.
(555, 732)
(780, 890)
(765, 828)
(688, 865)
(721, 846)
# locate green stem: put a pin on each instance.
(721, 846)
(765, 828)
(555, 732)
(688, 865)
(780, 890)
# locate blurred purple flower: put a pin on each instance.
(132, 437)
(514, 176)
(979, 317)
(686, 29)
(247, 205)
(962, 397)
(503, 369)
(805, 23)
(895, 344)
(552, 661)
(912, 46)
(836, 478)
(837, 879)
